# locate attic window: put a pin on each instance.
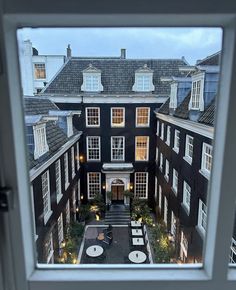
(92, 80)
(173, 95)
(143, 80)
(41, 146)
(197, 102)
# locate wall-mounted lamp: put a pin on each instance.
(81, 158)
(81, 197)
(104, 185)
(131, 186)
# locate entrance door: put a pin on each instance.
(117, 193)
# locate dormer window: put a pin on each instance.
(173, 95)
(143, 80)
(197, 101)
(40, 140)
(92, 80)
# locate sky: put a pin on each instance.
(192, 43)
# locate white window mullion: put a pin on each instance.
(141, 184)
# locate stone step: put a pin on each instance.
(117, 214)
(117, 223)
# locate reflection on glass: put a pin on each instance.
(120, 149)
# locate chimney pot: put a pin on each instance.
(123, 53)
(68, 51)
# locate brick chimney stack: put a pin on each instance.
(123, 53)
(68, 51)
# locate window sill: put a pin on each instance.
(120, 126)
(142, 126)
(186, 209)
(167, 143)
(188, 159)
(66, 185)
(47, 217)
(176, 150)
(166, 178)
(200, 231)
(205, 173)
(59, 196)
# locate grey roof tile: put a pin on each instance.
(182, 110)
(213, 59)
(208, 116)
(117, 75)
(38, 106)
(164, 109)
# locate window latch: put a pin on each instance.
(6, 199)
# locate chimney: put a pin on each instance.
(123, 53)
(68, 51)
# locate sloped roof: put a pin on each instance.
(38, 106)
(213, 59)
(208, 116)
(164, 109)
(117, 75)
(182, 110)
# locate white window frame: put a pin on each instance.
(173, 227)
(161, 162)
(215, 274)
(67, 210)
(40, 140)
(184, 245)
(66, 170)
(142, 148)
(176, 141)
(197, 100)
(165, 210)
(145, 195)
(173, 95)
(77, 156)
(186, 197)
(175, 181)
(202, 217)
(60, 229)
(58, 180)
(157, 152)
(206, 160)
(160, 198)
(72, 152)
(42, 67)
(158, 128)
(94, 148)
(168, 135)
(115, 149)
(92, 82)
(50, 244)
(156, 190)
(87, 117)
(232, 252)
(142, 125)
(162, 131)
(114, 125)
(143, 82)
(167, 170)
(188, 146)
(46, 196)
(96, 184)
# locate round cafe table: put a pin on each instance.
(137, 257)
(94, 251)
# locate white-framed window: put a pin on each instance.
(40, 140)
(167, 170)
(162, 131)
(66, 172)
(165, 210)
(161, 162)
(175, 181)
(173, 95)
(94, 184)
(183, 247)
(92, 80)
(46, 196)
(77, 156)
(156, 190)
(117, 117)
(158, 128)
(157, 151)
(93, 148)
(92, 117)
(39, 71)
(197, 101)
(160, 198)
(60, 229)
(74, 199)
(143, 80)
(232, 257)
(141, 148)
(168, 135)
(176, 141)
(68, 212)
(49, 251)
(141, 184)
(186, 197)
(206, 159)
(117, 148)
(142, 116)
(202, 216)
(72, 161)
(58, 179)
(189, 149)
(173, 225)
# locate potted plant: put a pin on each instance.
(129, 195)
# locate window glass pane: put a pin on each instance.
(106, 145)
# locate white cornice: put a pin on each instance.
(34, 172)
(195, 127)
